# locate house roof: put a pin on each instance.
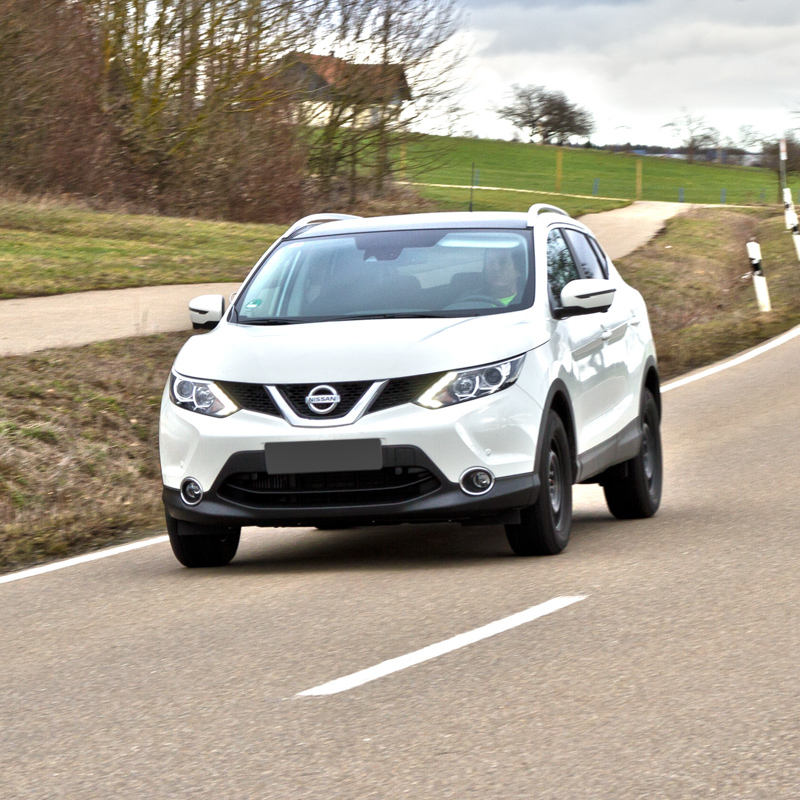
(329, 75)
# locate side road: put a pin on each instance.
(72, 320)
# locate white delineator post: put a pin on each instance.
(759, 279)
(789, 214)
(791, 219)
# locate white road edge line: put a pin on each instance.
(434, 650)
(734, 362)
(71, 562)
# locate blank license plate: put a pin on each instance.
(345, 456)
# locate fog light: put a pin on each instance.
(191, 492)
(476, 481)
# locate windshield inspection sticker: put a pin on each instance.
(253, 304)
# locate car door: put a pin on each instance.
(616, 394)
(578, 344)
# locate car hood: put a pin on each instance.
(356, 350)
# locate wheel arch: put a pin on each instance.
(558, 400)
(652, 382)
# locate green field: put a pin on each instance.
(450, 199)
(518, 165)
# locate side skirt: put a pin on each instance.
(616, 450)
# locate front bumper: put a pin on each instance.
(437, 500)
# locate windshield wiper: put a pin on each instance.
(399, 315)
(274, 321)
(348, 318)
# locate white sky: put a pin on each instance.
(638, 64)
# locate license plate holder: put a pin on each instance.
(346, 455)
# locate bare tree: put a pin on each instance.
(163, 102)
(695, 132)
(547, 116)
(771, 153)
(749, 138)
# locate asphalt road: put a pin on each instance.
(676, 676)
(71, 320)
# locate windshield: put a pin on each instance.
(448, 273)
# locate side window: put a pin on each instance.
(561, 267)
(601, 256)
(585, 255)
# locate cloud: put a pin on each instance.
(597, 24)
(639, 60)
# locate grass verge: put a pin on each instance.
(695, 277)
(78, 428)
(51, 247)
(79, 446)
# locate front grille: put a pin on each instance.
(403, 390)
(350, 392)
(328, 489)
(252, 396)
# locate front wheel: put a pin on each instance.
(633, 489)
(205, 546)
(545, 526)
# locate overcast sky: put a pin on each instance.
(637, 64)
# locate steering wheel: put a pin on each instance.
(480, 298)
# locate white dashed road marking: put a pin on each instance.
(435, 650)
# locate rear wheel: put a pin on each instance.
(545, 526)
(202, 545)
(633, 489)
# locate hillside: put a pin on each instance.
(517, 165)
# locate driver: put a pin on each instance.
(503, 271)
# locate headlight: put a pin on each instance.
(457, 387)
(204, 397)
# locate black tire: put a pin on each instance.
(633, 489)
(545, 526)
(205, 546)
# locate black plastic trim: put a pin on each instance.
(447, 503)
(619, 448)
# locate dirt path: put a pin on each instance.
(71, 320)
(624, 230)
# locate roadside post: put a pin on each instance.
(638, 178)
(559, 168)
(782, 163)
(790, 214)
(788, 206)
(759, 279)
(471, 185)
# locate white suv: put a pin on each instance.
(465, 367)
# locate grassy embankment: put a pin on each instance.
(78, 428)
(52, 248)
(523, 166)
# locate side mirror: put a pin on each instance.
(206, 311)
(588, 296)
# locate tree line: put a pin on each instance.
(549, 117)
(217, 107)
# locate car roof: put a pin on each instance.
(406, 222)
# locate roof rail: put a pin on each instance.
(546, 208)
(315, 219)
